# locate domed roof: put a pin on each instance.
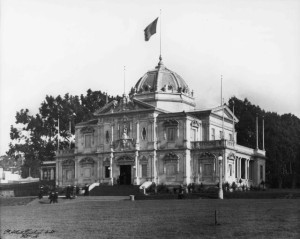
(162, 80)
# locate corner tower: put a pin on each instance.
(164, 89)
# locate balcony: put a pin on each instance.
(212, 144)
(64, 152)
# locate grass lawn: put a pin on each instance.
(238, 218)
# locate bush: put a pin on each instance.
(198, 188)
(233, 186)
(226, 186)
(191, 187)
(151, 189)
(161, 188)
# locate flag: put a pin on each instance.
(150, 30)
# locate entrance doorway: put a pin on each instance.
(125, 174)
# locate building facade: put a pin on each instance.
(156, 134)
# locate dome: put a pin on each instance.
(164, 89)
(161, 79)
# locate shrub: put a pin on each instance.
(233, 186)
(161, 188)
(191, 187)
(151, 189)
(226, 186)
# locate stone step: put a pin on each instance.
(116, 190)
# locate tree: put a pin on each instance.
(36, 136)
(282, 141)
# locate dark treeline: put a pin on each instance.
(282, 141)
(35, 136)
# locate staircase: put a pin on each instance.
(116, 190)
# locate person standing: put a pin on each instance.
(51, 197)
(56, 197)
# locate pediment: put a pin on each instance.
(228, 114)
(124, 104)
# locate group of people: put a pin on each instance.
(53, 197)
(70, 192)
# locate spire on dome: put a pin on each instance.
(160, 63)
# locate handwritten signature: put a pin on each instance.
(28, 233)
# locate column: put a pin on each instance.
(111, 167)
(41, 171)
(246, 172)
(137, 179)
(188, 167)
(98, 170)
(76, 171)
(51, 174)
(225, 167)
(56, 172)
(99, 137)
(248, 166)
(137, 132)
(256, 131)
(154, 168)
(263, 133)
(154, 132)
(112, 133)
(238, 168)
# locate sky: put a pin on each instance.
(54, 47)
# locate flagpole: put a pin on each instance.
(124, 79)
(221, 89)
(160, 33)
(233, 122)
(58, 134)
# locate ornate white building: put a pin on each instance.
(157, 135)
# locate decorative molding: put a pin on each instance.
(207, 155)
(125, 160)
(231, 156)
(106, 162)
(171, 157)
(68, 162)
(87, 129)
(143, 159)
(195, 124)
(86, 161)
(170, 123)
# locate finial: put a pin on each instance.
(160, 63)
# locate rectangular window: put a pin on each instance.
(230, 169)
(261, 172)
(171, 134)
(193, 134)
(171, 169)
(107, 172)
(220, 132)
(144, 170)
(87, 172)
(69, 174)
(230, 137)
(213, 134)
(87, 141)
(207, 170)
